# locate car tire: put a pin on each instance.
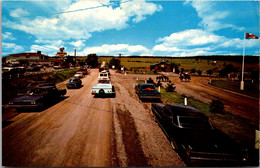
(101, 92)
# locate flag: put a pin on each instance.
(251, 36)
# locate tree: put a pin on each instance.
(92, 60)
(226, 70)
(210, 72)
(193, 70)
(199, 72)
(115, 62)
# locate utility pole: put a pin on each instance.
(243, 65)
(75, 57)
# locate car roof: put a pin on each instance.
(182, 110)
(144, 84)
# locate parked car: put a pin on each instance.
(104, 75)
(37, 97)
(103, 88)
(79, 75)
(74, 82)
(147, 91)
(195, 139)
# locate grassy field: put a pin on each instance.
(251, 89)
(186, 63)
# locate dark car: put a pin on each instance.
(195, 139)
(147, 91)
(74, 83)
(37, 97)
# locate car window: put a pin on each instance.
(194, 123)
(36, 91)
(167, 111)
(104, 81)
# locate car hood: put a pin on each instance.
(26, 98)
(209, 141)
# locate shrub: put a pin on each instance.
(216, 106)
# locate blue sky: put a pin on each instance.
(130, 27)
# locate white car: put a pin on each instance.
(79, 75)
(103, 88)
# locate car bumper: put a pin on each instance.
(149, 97)
(216, 161)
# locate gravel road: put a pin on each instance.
(83, 131)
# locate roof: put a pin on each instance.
(182, 110)
(162, 62)
(26, 54)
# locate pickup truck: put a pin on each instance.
(103, 88)
(195, 139)
(37, 97)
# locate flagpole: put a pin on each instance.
(243, 63)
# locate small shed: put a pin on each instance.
(161, 67)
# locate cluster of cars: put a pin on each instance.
(191, 134)
(76, 82)
(104, 86)
(37, 96)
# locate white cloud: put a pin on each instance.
(19, 13)
(47, 49)
(8, 36)
(115, 49)
(78, 44)
(139, 8)
(213, 18)
(198, 42)
(12, 47)
(80, 24)
(192, 37)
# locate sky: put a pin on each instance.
(130, 27)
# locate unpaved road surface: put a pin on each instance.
(83, 131)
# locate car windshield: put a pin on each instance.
(147, 87)
(36, 91)
(194, 123)
(104, 81)
(73, 80)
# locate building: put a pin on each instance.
(16, 58)
(28, 59)
(161, 67)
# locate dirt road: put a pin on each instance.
(236, 104)
(82, 131)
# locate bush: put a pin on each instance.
(150, 80)
(216, 106)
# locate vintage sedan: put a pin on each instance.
(147, 91)
(74, 82)
(103, 88)
(37, 97)
(195, 139)
(79, 75)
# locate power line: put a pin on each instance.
(77, 10)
